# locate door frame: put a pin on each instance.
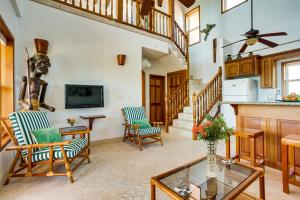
(144, 89)
(163, 92)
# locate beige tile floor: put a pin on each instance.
(120, 171)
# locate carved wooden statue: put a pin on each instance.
(32, 83)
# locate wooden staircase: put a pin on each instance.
(205, 101)
(182, 116)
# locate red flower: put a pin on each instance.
(208, 123)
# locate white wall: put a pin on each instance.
(83, 51)
(7, 13)
(269, 16)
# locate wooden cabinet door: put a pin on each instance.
(232, 70)
(157, 88)
(247, 67)
(268, 73)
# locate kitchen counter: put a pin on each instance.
(276, 119)
(273, 103)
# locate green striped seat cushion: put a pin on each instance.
(133, 114)
(24, 122)
(71, 151)
(149, 131)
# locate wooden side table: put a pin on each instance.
(91, 119)
(288, 145)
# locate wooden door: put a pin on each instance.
(143, 89)
(157, 91)
(175, 79)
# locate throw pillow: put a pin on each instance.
(143, 123)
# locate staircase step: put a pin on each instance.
(185, 116)
(181, 131)
(188, 110)
(188, 124)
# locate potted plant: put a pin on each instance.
(212, 130)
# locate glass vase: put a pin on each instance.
(212, 168)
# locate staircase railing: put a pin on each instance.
(207, 99)
(128, 12)
(175, 103)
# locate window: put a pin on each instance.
(192, 22)
(291, 77)
(229, 4)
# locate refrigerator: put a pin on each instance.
(237, 90)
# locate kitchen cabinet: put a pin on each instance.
(248, 66)
(268, 73)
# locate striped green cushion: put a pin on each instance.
(24, 122)
(71, 150)
(134, 113)
(149, 131)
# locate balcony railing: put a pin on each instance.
(128, 12)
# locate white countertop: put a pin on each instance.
(271, 103)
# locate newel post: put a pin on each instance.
(172, 20)
(194, 113)
(119, 11)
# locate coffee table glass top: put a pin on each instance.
(191, 181)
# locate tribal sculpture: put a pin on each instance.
(32, 84)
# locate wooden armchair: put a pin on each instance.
(134, 133)
(30, 154)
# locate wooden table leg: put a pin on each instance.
(262, 187)
(228, 148)
(153, 192)
(285, 173)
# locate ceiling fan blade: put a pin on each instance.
(145, 7)
(187, 3)
(267, 42)
(244, 47)
(272, 34)
(233, 43)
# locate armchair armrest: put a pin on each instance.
(157, 124)
(77, 133)
(135, 126)
(31, 146)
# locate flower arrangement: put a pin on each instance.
(212, 129)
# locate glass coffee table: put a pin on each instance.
(190, 182)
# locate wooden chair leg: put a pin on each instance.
(238, 153)
(12, 168)
(140, 143)
(67, 165)
(124, 137)
(161, 141)
(252, 151)
(285, 171)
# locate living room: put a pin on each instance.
(107, 45)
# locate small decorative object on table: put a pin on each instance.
(229, 57)
(239, 56)
(211, 131)
(71, 121)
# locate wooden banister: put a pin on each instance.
(128, 12)
(175, 103)
(207, 99)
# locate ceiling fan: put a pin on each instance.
(147, 3)
(253, 36)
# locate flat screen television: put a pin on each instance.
(83, 96)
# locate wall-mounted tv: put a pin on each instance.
(83, 96)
